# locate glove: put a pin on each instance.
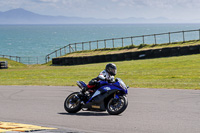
(93, 82)
(110, 80)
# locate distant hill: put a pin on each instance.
(21, 16)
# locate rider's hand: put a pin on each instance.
(110, 80)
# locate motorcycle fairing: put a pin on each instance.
(81, 84)
(102, 93)
(95, 106)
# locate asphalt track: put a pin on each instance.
(149, 111)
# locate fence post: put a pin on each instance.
(131, 40)
(46, 59)
(56, 53)
(90, 45)
(82, 46)
(113, 43)
(143, 39)
(75, 47)
(122, 42)
(169, 38)
(60, 52)
(105, 43)
(69, 48)
(155, 39)
(199, 34)
(183, 36)
(65, 50)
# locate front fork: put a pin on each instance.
(116, 98)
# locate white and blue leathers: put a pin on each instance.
(105, 76)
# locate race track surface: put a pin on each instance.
(149, 111)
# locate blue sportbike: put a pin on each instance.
(110, 96)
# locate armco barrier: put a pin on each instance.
(166, 51)
(184, 50)
(145, 54)
(194, 49)
(175, 51)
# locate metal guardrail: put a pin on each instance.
(32, 60)
(24, 59)
(15, 58)
(73, 47)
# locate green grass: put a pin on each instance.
(129, 48)
(175, 72)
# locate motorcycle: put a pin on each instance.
(109, 96)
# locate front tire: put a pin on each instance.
(72, 103)
(115, 107)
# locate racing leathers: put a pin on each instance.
(103, 76)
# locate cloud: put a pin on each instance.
(158, 3)
(114, 0)
(10, 4)
(52, 1)
(44, 1)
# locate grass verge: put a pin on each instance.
(174, 73)
(130, 48)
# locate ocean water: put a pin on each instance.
(36, 41)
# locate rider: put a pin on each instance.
(106, 75)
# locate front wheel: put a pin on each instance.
(117, 106)
(72, 103)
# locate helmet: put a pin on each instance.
(111, 69)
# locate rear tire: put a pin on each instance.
(72, 103)
(115, 108)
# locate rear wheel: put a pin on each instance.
(117, 106)
(72, 103)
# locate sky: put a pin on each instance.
(172, 9)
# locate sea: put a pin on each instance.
(36, 41)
